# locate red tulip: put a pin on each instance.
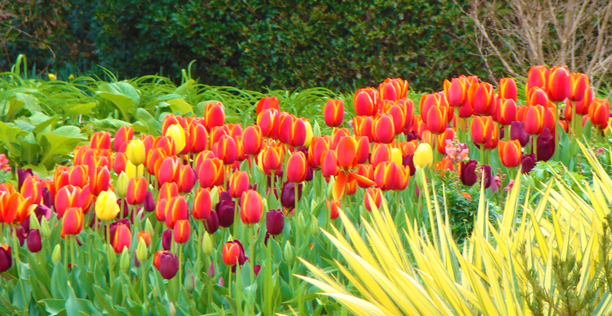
(507, 89)
(214, 115)
(297, 167)
(251, 207)
(558, 84)
(136, 191)
(202, 204)
(455, 91)
(238, 183)
(365, 102)
(72, 222)
(334, 209)
(267, 103)
(181, 231)
(383, 129)
(122, 238)
(334, 113)
(232, 253)
(510, 153)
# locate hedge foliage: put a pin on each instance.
(248, 44)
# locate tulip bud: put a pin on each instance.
(125, 261)
(189, 282)
(149, 202)
(275, 222)
(211, 270)
(314, 225)
(122, 185)
(34, 224)
(112, 257)
(57, 254)
(167, 239)
(288, 253)
(148, 227)
(330, 188)
(6, 258)
(34, 242)
(45, 231)
(316, 130)
(207, 245)
(142, 252)
(106, 206)
(172, 309)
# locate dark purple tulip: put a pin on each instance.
(42, 210)
(22, 174)
(6, 258)
(168, 265)
(211, 224)
(256, 269)
(125, 209)
(149, 202)
(46, 197)
(288, 194)
(225, 212)
(545, 145)
(468, 173)
(517, 131)
(409, 162)
(275, 222)
(309, 173)
(22, 233)
(528, 162)
(34, 241)
(486, 176)
(167, 239)
(411, 136)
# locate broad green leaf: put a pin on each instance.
(123, 95)
(60, 141)
(79, 109)
(180, 106)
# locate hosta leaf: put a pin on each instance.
(60, 141)
(123, 95)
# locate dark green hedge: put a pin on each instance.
(250, 43)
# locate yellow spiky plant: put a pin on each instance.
(550, 258)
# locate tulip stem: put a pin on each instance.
(482, 154)
(229, 283)
(295, 207)
(144, 285)
(200, 240)
(272, 181)
(252, 250)
(535, 145)
(17, 261)
(73, 251)
(236, 218)
(180, 270)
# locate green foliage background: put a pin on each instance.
(253, 44)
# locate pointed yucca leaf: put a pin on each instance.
(434, 234)
(509, 217)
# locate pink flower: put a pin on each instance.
(509, 186)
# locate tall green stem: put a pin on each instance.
(17, 263)
(252, 250)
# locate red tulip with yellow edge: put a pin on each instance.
(268, 121)
(537, 96)
(449, 134)
(334, 209)
(599, 112)
(72, 196)
(402, 178)
(166, 143)
(387, 91)
(363, 126)
(363, 149)
(408, 108)
(186, 178)
(550, 120)
(211, 172)
(145, 236)
(154, 159)
(430, 100)
(202, 204)
(297, 167)
(101, 140)
(176, 210)
(232, 251)
(100, 180)
(172, 119)
(238, 183)
(385, 174)
(32, 188)
(72, 222)
(534, 119)
(299, 133)
(137, 189)
(167, 170)
(408, 148)
(481, 97)
(333, 113)
(78, 175)
(380, 153)
(198, 138)
(120, 163)
(318, 146)
(14, 208)
(455, 91)
(506, 111)
(558, 83)
(494, 138)
(366, 102)
(337, 134)
(507, 89)
(214, 115)
(252, 140)
(182, 230)
(510, 153)
(375, 194)
(329, 163)
(217, 132)
(436, 119)
(225, 149)
(398, 116)
(122, 238)
(481, 129)
(251, 207)
(267, 103)
(537, 77)
(579, 83)
(347, 153)
(124, 134)
(271, 158)
(383, 129)
(285, 127)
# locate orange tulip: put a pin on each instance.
(449, 134)
(347, 153)
(122, 238)
(272, 158)
(534, 119)
(408, 148)
(14, 208)
(376, 195)
(364, 173)
(232, 251)
(181, 231)
(211, 172)
(145, 236)
(267, 103)
(238, 183)
(558, 84)
(176, 210)
(536, 77)
(383, 129)
(329, 163)
(136, 191)
(481, 97)
(445, 164)
(579, 83)
(380, 153)
(214, 115)
(363, 126)
(334, 113)
(101, 140)
(507, 89)
(385, 174)
(510, 153)
(251, 207)
(365, 102)
(494, 136)
(337, 134)
(481, 129)
(318, 146)
(297, 168)
(72, 222)
(202, 204)
(599, 112)
(506, 111)
(455, 91)
(436, 119)
(252, 140)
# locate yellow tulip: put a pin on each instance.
(396, 156)
(135, 152)
(106, 206)
(133, 171)
(423, 156)
(308, 133)
(177, 133)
